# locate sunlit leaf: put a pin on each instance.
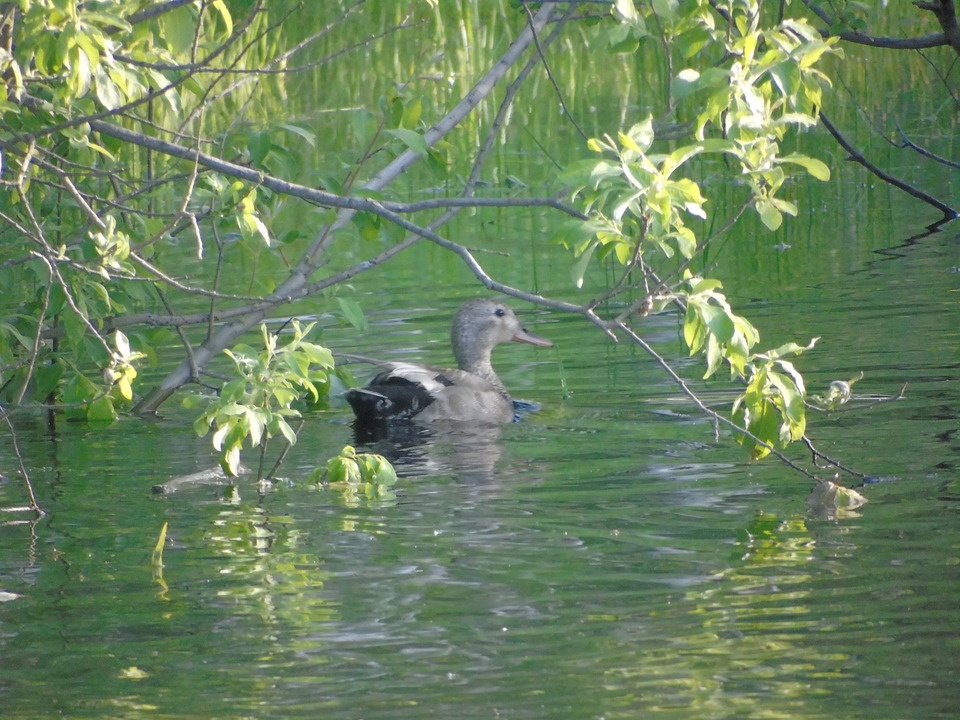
(230, 461)
(221, 7)
(694, 330)
(718, 321)
(254, 426)
(770, 216)
(125, 388)
(665, 9)
(815, 167)
(625, 10)
(579, 268)
(101, 410)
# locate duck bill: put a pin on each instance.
(525, 336)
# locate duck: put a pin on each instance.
(470, 393)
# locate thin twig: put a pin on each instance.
(34, 505)
(858, 157)
(717, 417)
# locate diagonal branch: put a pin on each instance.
(860, 158)
(298, 278)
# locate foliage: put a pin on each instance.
(257, 404)
(155, 185)
(360, 475)
(639, 202)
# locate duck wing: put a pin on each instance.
(400, 392)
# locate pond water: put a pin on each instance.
(607, 557)
(603, 558)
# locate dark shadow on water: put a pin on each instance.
(466, 450)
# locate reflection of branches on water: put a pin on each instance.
(861, 159)
(946, 14)
(906, 142)
(34, 506)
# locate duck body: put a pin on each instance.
(470, 393)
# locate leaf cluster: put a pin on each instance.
(359, 475)
(641, 201)
(258, 403)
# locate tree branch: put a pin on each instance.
(297, 280)
(858, 157)
(860, 38)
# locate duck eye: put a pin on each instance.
(499, 312)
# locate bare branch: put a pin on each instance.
(861, 38)
(858, 157)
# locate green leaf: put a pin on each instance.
(714, 356)
(252, 227)
(719, 321)
(221, 7)
(687, 82)
(694, 329)
(201, 425)
(412, 111)
(122, 344)
(177, 29)
(787, 78)
(365, 126)
(642, 134)
(757, 415)
(793, 409)
(628, 142)
(230, 461)
(342, 469)
(376, 469)
(770, 216)
(665, 9)
(815, 167)
(790, 348)
(108, 93)
(368, 224)
(219, 435)
(304, 133)
(318, 355)
(286, 431)
(412, 139)
(125, 388)
(829, 497)
(579, 268)
(255, 425)
(353, 314)
(625, 10)
(101, 410)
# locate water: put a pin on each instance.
(603, 558)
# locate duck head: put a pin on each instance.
(479, 326)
